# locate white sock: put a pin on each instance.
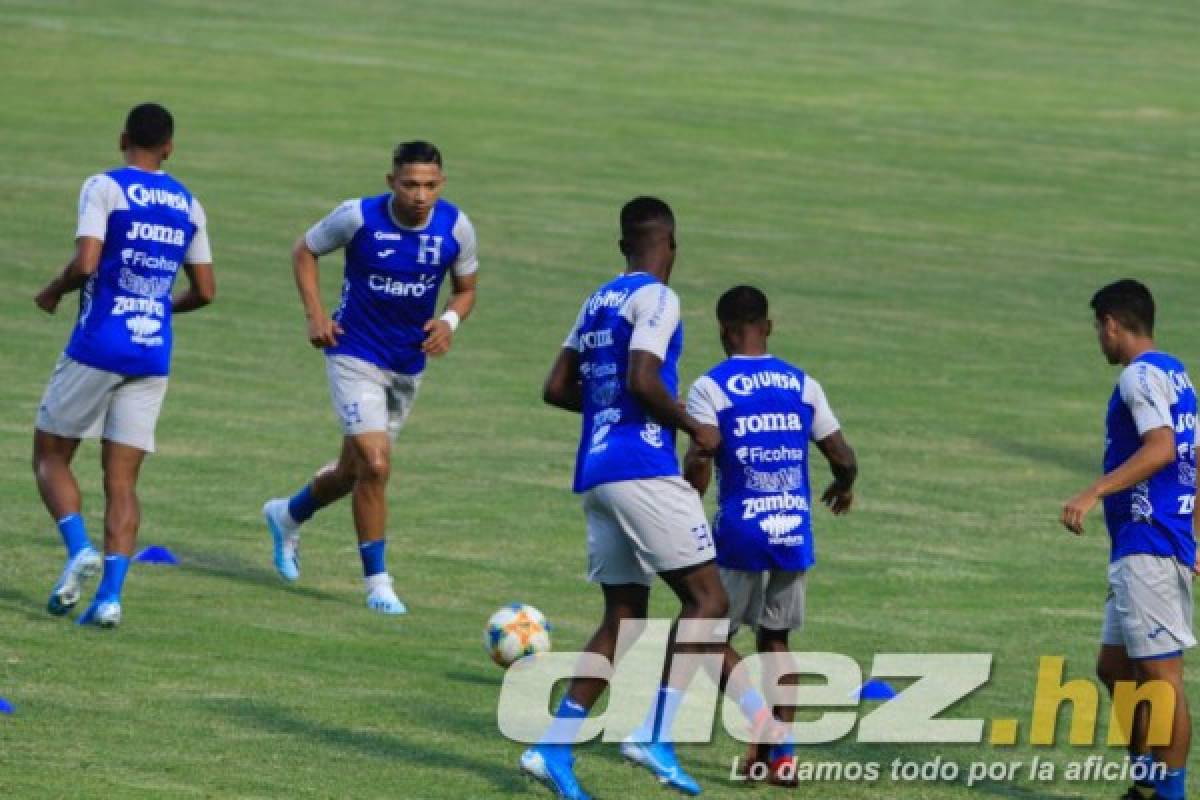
(376, 581)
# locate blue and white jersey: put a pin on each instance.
(150, 225)
(767, 411)
(620, 441)
(1155, 516)
(392, 276)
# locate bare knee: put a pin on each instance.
(374, 466)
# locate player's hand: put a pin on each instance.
(48, 299)
(1076, 509)
(323, 332)
(707, 438)
(438, 336)
(837, 499)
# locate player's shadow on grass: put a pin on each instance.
(234, 569)
(379, 745)
(459, 676)
(1081, 461)
(21, 603)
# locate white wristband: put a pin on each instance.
(451, 318)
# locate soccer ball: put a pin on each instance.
(516, 631)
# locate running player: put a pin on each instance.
(618, 369)
(767, 411)
(137, 227)
(1149, 494)
(398, 246)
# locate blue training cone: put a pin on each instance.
(156, 554)
(5, 706)
(875, 689)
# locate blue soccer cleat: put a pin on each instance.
(659, 758)
(286, 540)
(102, 613)
(553, 767)
(83, 565)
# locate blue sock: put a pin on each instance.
(568, 719)
(373, 557)
(74, 534)
(303, 505)
(115, 567)
(666, 706)
(1143, 762)
(778, 751)
(751, 703)
(1173, 785)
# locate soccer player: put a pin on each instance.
(137, 227)
(398, 247)
(1149, 492)
(618, 369)
(767, 411)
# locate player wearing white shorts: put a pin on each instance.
(138, 227)
(399, 247)
(767, 411)
(618, 369)
(1149, 494)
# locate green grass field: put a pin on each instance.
(929, 191)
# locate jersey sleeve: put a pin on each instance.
(199, 251)
(467, 262)
(1148, 394)
(572, 340)
(705, 399)
(99, 197)
(654, 313)
(824, 423)
(335, 230)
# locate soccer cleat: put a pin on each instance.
(287, 541)
(85, 564)
(783, 772)
(105, 614)
(381, 597)
(552, 766)
(659, 758)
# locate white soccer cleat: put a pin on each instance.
(285, 537)
(381, 597)
(104, 615)
(65, 594)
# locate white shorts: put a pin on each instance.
(1149, 606)
(367, 398)
(771, 599)
(83, 402)
(639, 528)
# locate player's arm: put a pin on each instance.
(839, 495)
(197, 265)
(439, 333)
(1156, 451)
(74, 275)
(1147, 393)
(322, 331)
(702, 407)
(697, 468)
(645, 383)
(563, 388)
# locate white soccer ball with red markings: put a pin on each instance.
(516, 631)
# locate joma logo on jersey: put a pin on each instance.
(753, 506)
(155, 233)
(138, 305)
(395, 288)
(763, 423)
(594, 339)
(141, 196)
(744, 385)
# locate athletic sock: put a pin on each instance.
(751, 703)
(115, 567)
(568, 719)
(1173, 785)
(302, 505)
(666, 706)
(373, 560)
(74, 534)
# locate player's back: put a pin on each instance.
(619, 440)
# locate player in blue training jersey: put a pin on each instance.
(398, 247)
(618, 368)
(137, 228)
(767, 412)
(1149, 494)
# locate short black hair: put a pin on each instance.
(1129, 302)
(742, 305)
(416, 152)
(642, 215)
(149, 125)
